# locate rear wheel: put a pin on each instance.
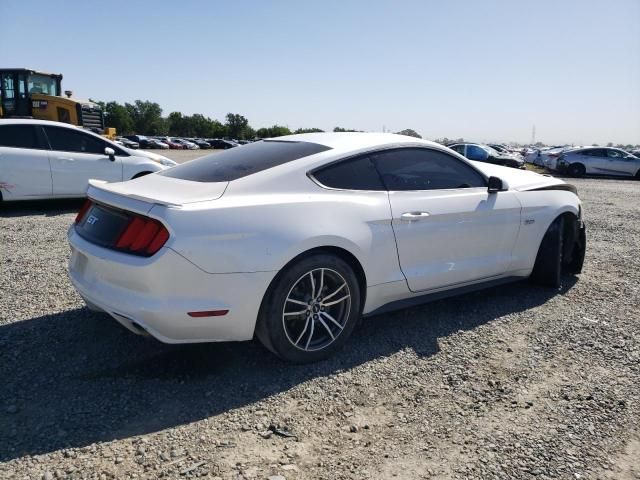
(576, 170)
(638, 175)
(310, 310)
(547, 270)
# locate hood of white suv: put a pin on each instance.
(162, 160)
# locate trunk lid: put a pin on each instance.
(155, 189)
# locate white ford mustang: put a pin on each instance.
(293, 239)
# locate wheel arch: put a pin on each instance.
(571, 228)
(337, 251)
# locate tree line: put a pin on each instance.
(145, 118)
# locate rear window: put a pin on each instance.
(242, 161)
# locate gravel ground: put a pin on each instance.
(514, 382)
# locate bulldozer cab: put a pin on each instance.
(17, 86)
(32, 94)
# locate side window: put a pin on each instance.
(18, 136)
(425, 169)
(354, 174)
(459, 149)
(475, 153)
(614, 154)
(69, 140)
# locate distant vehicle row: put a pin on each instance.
(495, 154)
(176, 143)
(579, 161)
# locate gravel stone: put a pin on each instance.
(514, 382)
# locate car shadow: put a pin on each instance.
(75, 378)
(50, 208)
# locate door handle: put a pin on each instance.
(66, 159)
(413, 216)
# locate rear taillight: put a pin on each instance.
(83, 210)
(142, 236)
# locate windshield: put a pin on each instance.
(492, 151)
(43, 84)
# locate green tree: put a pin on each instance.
(262, 133)
(279, 131)
(176, 124)
(409, 132)
(274, 131)
(308, 130)
(147, 118)
(340, 129)
(118, 117)
(236, 125)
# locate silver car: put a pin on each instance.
(599, 161)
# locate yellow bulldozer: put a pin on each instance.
(28, 93)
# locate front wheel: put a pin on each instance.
(310, 310)
(576, 170)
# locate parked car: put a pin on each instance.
(499, 148)
(186, 143)
(125, 142)
(546, 156)
(155, 143)
(42, 159)
(200, 143)
(300, 271)
(221, 144)
(484, 153)
(173, 145)
(141, 140)
(599, 161)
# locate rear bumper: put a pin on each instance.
(153, 295)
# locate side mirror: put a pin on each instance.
(110, 152)
(495, 185)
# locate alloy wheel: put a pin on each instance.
(316, 309)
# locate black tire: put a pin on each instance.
(576, 170)
(638, 175)
(278, 326)
(547, 270)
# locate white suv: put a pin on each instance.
(41, 159)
